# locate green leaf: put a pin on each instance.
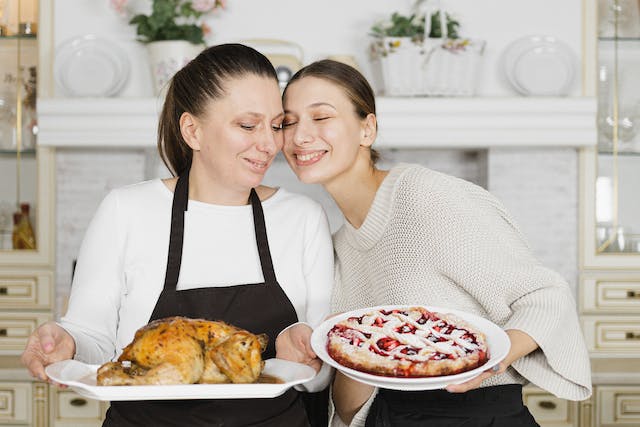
(401, 26)
(161, 23)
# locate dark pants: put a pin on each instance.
(497, 406)
(317, 406)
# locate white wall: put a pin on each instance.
(538, 186)
(332, 27)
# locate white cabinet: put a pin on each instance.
(618, 406)
(27, 173)
(69, 409)
(548, 410)
(609, 287)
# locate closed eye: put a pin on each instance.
(287, 124)
(247, 127)
(318, 119)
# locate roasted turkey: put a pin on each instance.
(179, 350)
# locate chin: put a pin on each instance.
(308, 177)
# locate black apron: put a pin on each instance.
(496, 406)
(258, 308)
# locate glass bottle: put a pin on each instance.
(23, 235)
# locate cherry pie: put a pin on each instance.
(407, 342)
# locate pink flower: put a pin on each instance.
(203, 6)
(206, 30)
(119, 5)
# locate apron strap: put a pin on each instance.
(261, 238)
(176, 238)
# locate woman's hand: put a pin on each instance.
(295, 344)
(521, 345)
(49, 343)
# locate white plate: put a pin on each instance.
(497, 341)
(91, 66)
(82, 379)
(540, 66)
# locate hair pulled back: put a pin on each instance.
(192, 88)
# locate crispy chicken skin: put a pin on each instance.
(179, 350)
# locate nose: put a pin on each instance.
(302, 133)
(271, 142)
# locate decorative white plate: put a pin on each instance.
(540, 66)
(82, 379)
(497, 341)
(91, 66)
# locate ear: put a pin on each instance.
(189, 129)
(369, 130)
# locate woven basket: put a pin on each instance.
(430, 66)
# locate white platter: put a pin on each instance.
(540, 65)
(90, 66)
(81, 377)
(497, 340)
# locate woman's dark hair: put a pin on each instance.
(352, 82)
(194, 86)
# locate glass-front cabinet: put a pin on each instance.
(609, 291)
(613, 169)
(25, 170)
(27, 184)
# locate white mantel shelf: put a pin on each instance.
(403, 122)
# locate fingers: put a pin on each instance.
(315, 364)
(47, 344)
(34, 361)
(469, 385)
(47, 338)
(36, 368)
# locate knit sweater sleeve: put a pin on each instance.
(482, 251)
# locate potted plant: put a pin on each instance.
(413, 50)
(173, 31)
(403, 30)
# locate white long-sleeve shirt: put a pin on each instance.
(122, 261)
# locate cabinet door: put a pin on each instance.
(37, 171)
(612, 335)
(26, 170)
(26, 290)
(69, 409)
(618, 406)
(548, 410)
(611, 171)
(15, 328)
(15, 403)
(610, 293)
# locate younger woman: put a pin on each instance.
(416, 236)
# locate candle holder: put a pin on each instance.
(28, 28)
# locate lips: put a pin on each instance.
(309, 158)
(258, 165)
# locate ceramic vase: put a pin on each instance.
(166, 57)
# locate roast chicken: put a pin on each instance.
(179, 350)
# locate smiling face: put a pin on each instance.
(323, 134)
(238, 136)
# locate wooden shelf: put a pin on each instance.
(458, 123)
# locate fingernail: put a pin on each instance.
(495, 368)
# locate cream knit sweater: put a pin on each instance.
(437, 240)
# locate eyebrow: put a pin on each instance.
(317, 104)
(258, 115)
